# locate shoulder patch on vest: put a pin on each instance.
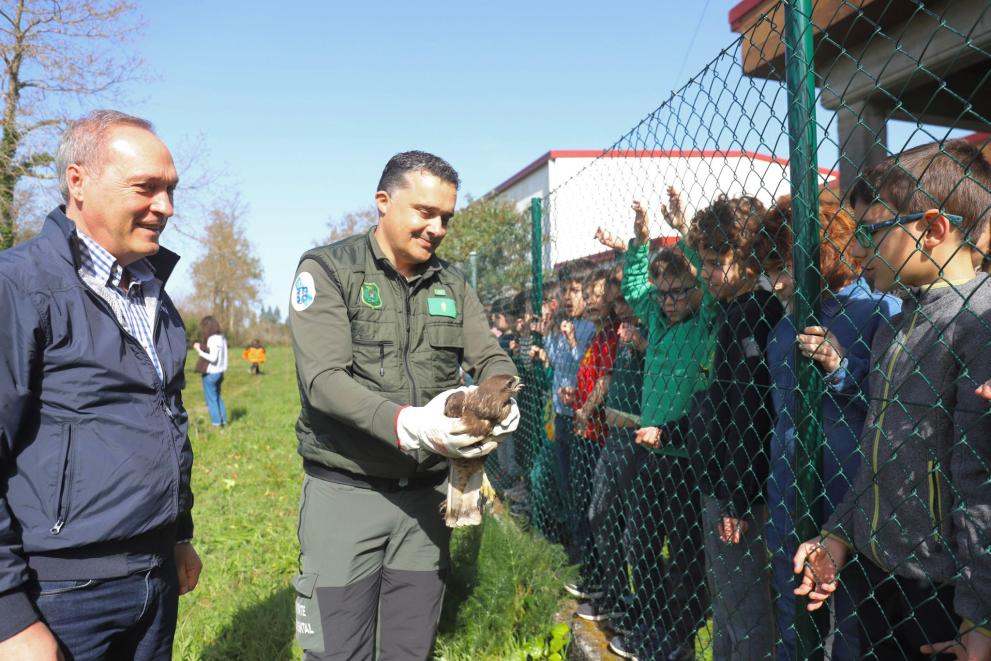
(304, 292)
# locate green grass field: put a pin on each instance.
(505, 584)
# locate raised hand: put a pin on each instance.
(610, 240)
(731, 529)
(675, 214)
(641, 224)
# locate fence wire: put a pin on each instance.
(702, 411)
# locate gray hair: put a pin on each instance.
(83, 142)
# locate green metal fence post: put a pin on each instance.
(536, 262)
(808, 286)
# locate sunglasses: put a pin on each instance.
(865, 233)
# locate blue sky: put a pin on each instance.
(302, 103)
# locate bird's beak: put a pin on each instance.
(517, 384)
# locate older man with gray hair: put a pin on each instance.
(95, 523)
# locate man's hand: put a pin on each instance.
(641, 224)
(610, 240)
(819, 344)
(649, 436)
(731, 529)
(675, 215)
(972, 646)
(188, 566)
(427, 428)
(819, 561)
(36, 643)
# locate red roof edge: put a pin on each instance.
(643, 153)
(607, 255)
(739, 12)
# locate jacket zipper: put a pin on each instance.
(62, 506)
(878, 424)
(160, 380)
(935, 504)
(414, 400)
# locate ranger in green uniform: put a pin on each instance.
(381, 328)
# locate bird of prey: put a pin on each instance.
(481, 410)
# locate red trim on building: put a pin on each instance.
(978, 138)
(643, 153)
(740, 12)
(608, 255)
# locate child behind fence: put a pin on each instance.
(729, 427)
(916, 524)
(850, 316)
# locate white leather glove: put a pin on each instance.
(427, 428)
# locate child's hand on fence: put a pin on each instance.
(566, 395)
(972, 646)
(674, 215)
(731, 529)
(819, 560)
(610, 240)
(819, 344)
(568, 331)
(984, 390)
(649, 436)
(641, 224)
(537, 353)
(628, 333)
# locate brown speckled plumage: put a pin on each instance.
(480, 410)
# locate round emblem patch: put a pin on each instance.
(303, 292)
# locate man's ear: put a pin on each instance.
(75, 176)
(382, 202)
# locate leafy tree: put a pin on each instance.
(54, 54)
(228, 276)
(500, 234)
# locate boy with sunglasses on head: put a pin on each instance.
(912, 533)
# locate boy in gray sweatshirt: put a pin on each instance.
(912, 533)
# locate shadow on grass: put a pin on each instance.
(263, 632)
(237, 413)
(465, 545)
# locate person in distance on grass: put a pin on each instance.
(911, 535)
(95, 522)
(381, 328)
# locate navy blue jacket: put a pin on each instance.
(94, 456)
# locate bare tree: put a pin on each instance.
(227, 277)
(54, 53)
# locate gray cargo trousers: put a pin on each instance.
(372, 570)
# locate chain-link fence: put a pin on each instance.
(738, 360)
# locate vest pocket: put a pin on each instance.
(447, 344)
(373, 362)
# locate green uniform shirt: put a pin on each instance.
(368, 341)
(679, 356)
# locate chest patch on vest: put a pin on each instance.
(442, 307)
(370, 295)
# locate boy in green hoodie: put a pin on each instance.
(669, 602)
